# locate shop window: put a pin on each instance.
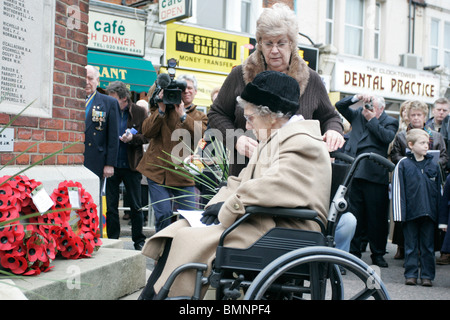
(245, 15)
(377, 31)
(354, 27)
(434, 42)
(211, 13)
(329, 22)
(447, 45)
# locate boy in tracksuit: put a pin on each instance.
(416, 199)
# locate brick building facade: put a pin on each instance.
(65, 123)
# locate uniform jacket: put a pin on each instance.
(399, 147)
(101, 142)
(314, 101)
(368, 136)
(136, 116)
(416, 191)
(164, 134)
(292, 169)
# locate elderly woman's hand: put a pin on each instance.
(246, 145)
(210, 215)
(334, 140)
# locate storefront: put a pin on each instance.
(116, 46)
(136, 72)
(210, 55)
(395, 84)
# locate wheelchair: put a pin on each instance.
(291, 264)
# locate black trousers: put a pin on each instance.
(369, 202)
(132, 181)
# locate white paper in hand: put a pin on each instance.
(193, 217)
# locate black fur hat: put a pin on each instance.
(275, 90)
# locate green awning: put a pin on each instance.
(134, 71)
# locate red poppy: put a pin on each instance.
(7, 238)
(9, 213)
(18, 250)
(18, 230)
(6, 190)
(36, 249)
(50, 249)
(17, 264)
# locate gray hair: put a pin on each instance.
(278, 20)
(380, 102)
(96, 71)
(120, 88)
(185, 77)
(262, 110)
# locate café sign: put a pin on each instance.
(116, 34)
(392, 82)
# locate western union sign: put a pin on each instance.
(205, 50)
(204, 45)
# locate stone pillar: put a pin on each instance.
(44, 53)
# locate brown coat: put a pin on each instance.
(164, 134)
(292, 169)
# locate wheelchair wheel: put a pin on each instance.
(323, 263)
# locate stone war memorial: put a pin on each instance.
(57, 243)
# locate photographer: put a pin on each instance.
(173, 129)
(372, 131)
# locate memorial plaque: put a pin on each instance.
(27, 42)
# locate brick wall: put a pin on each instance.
(67, 123)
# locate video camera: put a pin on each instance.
(172, 91)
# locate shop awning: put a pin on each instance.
(136, 72)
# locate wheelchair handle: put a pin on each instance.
(382, 161)
(342, 156)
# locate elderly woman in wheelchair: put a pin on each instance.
(258, 210)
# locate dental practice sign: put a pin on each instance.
(352, 75)
(116, 34)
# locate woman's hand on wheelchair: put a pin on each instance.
(210, 215)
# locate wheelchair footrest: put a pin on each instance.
(272, 245)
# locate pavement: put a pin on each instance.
(392, 276)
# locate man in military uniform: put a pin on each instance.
(101, 131)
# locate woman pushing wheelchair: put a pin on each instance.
(290, 168)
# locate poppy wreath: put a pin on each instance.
(79, 235)
(24, 248)
(29, 245)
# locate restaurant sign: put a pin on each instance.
(116, 34)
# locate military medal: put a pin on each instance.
(98, 116)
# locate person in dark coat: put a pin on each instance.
(372, 131)
(101, 132)
(130, 154)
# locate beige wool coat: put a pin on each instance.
(291, 169)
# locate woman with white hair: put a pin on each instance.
(290, 168)
(277, 50)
